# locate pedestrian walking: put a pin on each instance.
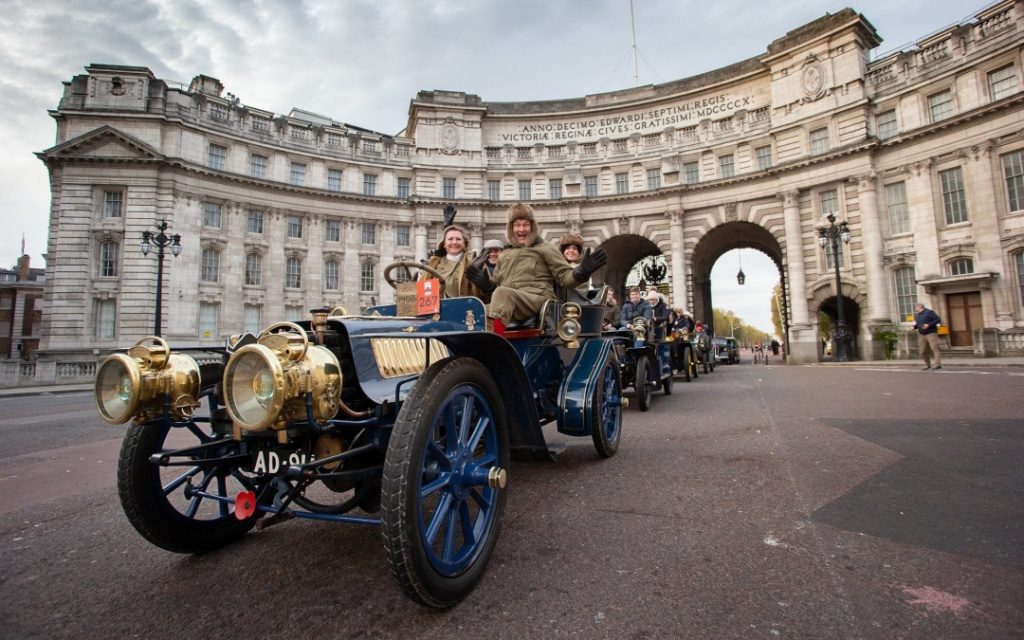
(927, 323)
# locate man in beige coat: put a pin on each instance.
(528, 270)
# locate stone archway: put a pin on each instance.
(624, 251)
(719, 240)
(851, 315)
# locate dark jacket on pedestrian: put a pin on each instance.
(926, 317)
(611, 314)
(659, 314)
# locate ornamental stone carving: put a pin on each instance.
(812, 80)
(450, 138)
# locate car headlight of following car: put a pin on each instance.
(569, 327)
(134, 384)
(265, 384)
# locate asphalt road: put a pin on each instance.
(755, 502)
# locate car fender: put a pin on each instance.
(576, 395)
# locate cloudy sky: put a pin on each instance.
(362, 61)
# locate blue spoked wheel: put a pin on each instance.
(167, 504)
(443, 493)
(607, 408)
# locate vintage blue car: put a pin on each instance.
(402, 421)
(645, 363)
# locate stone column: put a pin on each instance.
(678, 248)
(420, 244)
(476, 238)
(352, 270)
(802, 345)
(924, 223)
(871, 231)
(386, 242)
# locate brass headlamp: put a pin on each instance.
(569, 327)
(265, 384)
(134, 384)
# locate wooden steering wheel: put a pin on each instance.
(410, 264)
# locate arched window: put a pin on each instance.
(109, 257)
(331, 275)
(254, 269)
(367, 276)
(293, 273)
(211, 266)
(961, 266)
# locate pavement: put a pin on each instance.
(745, 358)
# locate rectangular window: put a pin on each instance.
(762, 157)
(369, 233)
(109, 252)
(653, 179)
(906, 292)
(1018, 259)
(692, 172)
(258, 166)
(941, 105)
(555, 188)
(113, 204)
(255, 222)
(954, 201)
(493, 153)
(588, 149)
(494, 190)
(403, 187)
(215, 156)
(331, 275)
(556, 152)
(726, 168)
(961, 267)
(253, 270)
(621, 183)
(371, 146)
(819, 141)
(334, 179)
(211, 215)
(402, 235)
(590, 186)
(1013, 171)
(293, 273)
(106, 319)
(1002, 82)
(259, 123)
(369, 184)
(210, 266)
(885, 124)
(828, 201)
(332, 231)
(294, 227)
(524, 190)
(620, 146)
(253, 323)
(367, 279)
(208, 319)
(448, 188)
(830, 264)
(896, 203)
(298, 174)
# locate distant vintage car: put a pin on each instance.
(682, 355)
(402, 420)
(720, 350)
(644, 363)
(733, 349)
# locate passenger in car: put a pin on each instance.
(611, 312)
(659, 313)
(571, 246)
(450, 259)
(528, 270)
(637, 307)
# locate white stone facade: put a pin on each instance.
(921, 152)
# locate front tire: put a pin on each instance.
(440, 516)
(163, 504)
(641, 384)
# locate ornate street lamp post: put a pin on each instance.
(831, 235)
(162, 241)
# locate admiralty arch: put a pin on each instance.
(920, 152)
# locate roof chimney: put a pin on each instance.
(23, 270)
